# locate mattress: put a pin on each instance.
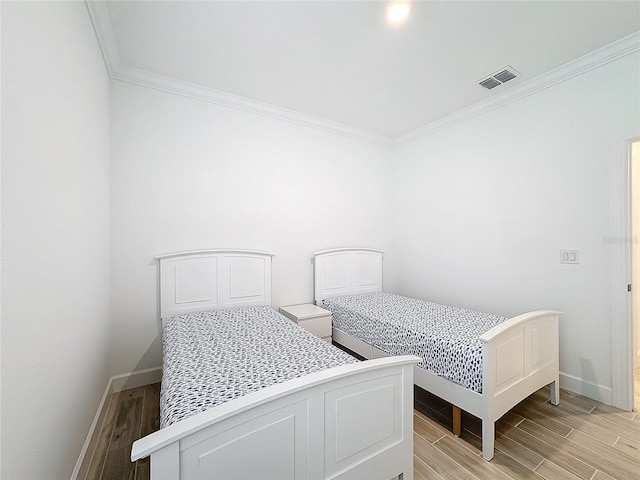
(212, 357)
(446, 338)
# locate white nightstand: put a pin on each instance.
(310, 317)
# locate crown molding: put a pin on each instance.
(179, 87)
(609, 53)
(101, 20)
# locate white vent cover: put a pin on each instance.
(501, 76)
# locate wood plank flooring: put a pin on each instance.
(130, 414)
(578, 439)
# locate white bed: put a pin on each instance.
(518, 356)
(312, 426)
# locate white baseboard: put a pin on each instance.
(136, 379)
(89, 442)
(588, 389)
(115, 384)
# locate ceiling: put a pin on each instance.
(339, 62)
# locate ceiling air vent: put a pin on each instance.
(490, 83)
(498, 78)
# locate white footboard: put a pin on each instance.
(520, 356)
(353, 421)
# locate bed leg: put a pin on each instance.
(555, 392)
(457, 421)
(488, 439)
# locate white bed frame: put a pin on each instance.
(519, 356)
(353, 421)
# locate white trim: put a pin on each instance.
(1, 237)
(97, 420)
(214, 251)
(609, 53)
(348, 249)
(585, 388)
(136, 379)
(621, 313)
(116, 383)
(163, 83)
(101, 20)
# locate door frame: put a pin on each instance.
(620, 242)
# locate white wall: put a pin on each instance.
(55, 236)
(483, 208)
(188, 174)
(474, 215)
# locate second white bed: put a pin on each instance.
(510, 358)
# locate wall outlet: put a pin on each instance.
(570, 256)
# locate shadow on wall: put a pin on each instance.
(141, 374)
(588, 374)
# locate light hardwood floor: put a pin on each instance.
(130, 414)
(578, 439)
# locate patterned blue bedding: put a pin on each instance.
(212, 357)
(446, 338)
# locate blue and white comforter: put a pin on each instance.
(212, 357)
(446, 338)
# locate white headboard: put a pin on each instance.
(345, 271)
(202, 280)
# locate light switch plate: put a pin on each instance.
(570, 256)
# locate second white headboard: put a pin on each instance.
(346, 271)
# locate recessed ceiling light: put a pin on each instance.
(398, 10)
